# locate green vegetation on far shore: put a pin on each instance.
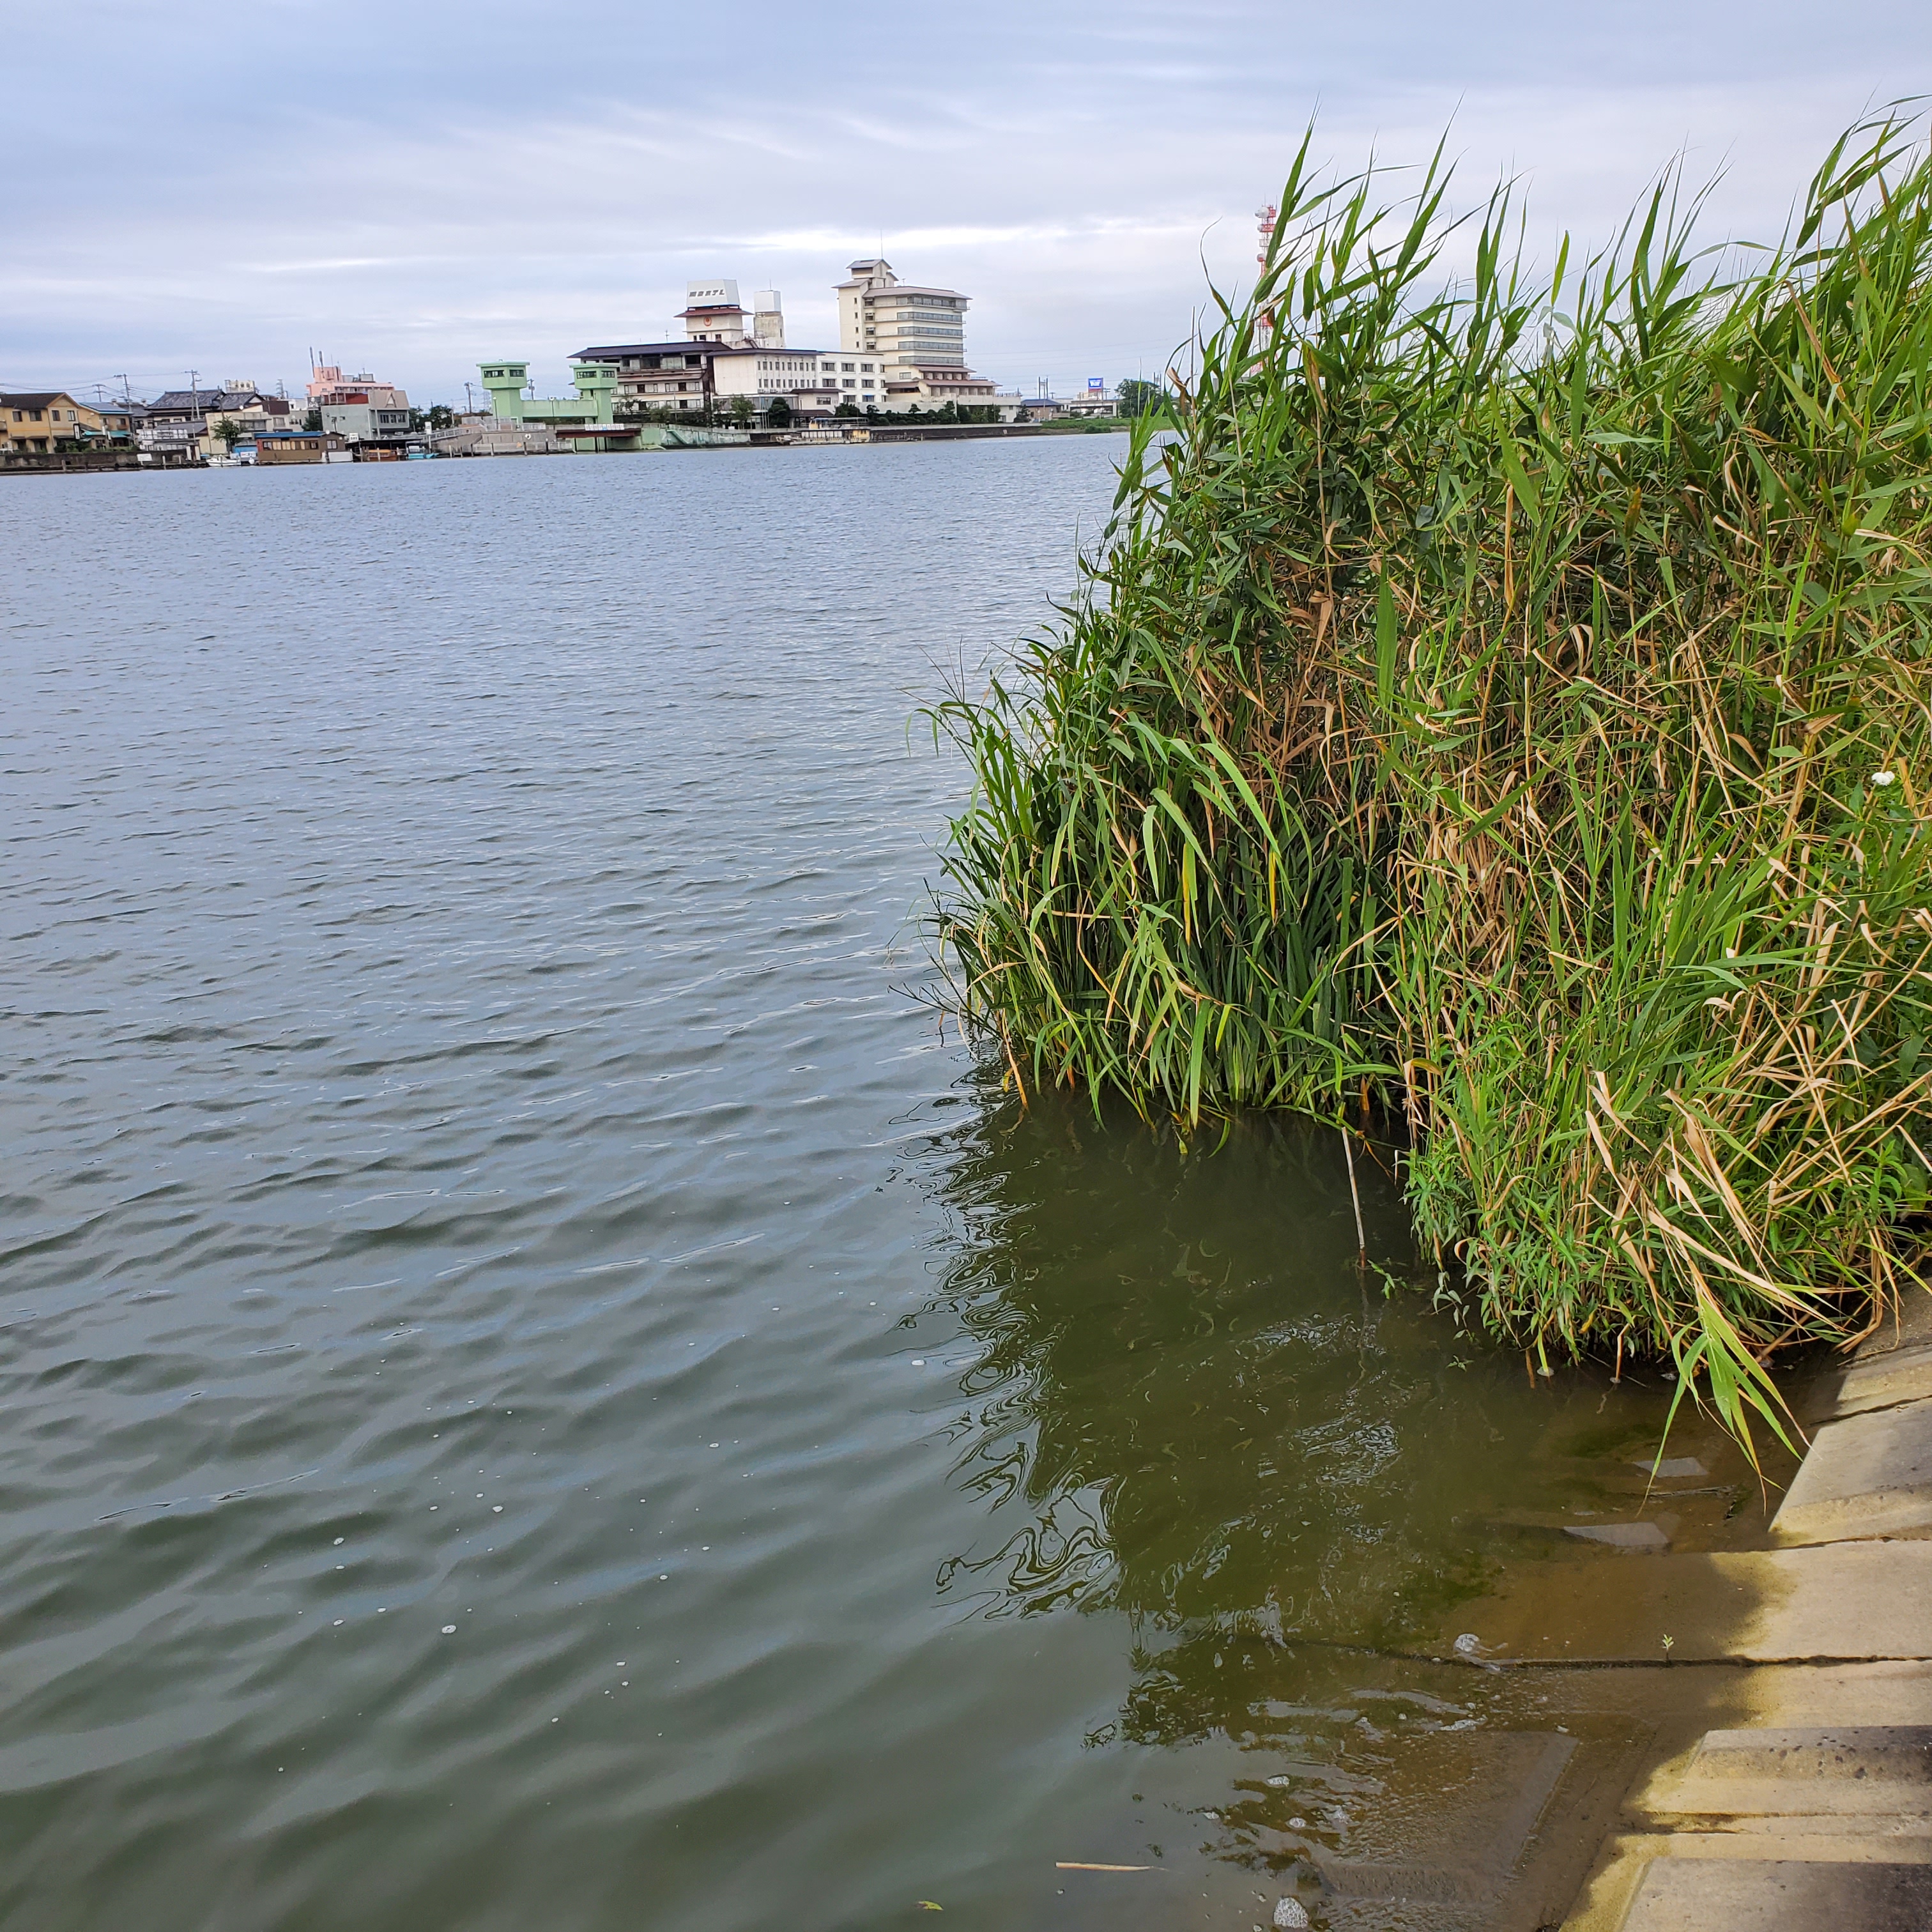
(1085, 425)
(1505, 703)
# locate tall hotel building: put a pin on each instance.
(918, 335)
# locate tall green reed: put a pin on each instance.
(1505, 698)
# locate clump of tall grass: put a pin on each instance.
(1508, 700)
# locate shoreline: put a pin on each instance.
(1794, 1786)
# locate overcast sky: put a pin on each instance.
(413, 187)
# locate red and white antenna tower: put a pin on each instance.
(1265, 219)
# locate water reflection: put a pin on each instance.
(1188, 1403)
(1184, 1403)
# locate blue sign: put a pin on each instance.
(1096, 382)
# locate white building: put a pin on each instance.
(728, 352)
(700, 373)
(918, 334)
(713, 313)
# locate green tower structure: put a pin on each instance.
(595, 382)
(505, 382)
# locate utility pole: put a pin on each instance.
(127, 394)
(193, 390)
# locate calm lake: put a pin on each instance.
(540, 1387)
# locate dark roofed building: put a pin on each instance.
(191, 405)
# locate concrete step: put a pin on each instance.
(1880, 1381)
(1868, 1475)
(1892, 1365)
(1883, 1836)
(1697, 1894)
(1627, 1864)
(1854, 1753)
(1796, 1841)
(1811, 1604)
(1819, 1772)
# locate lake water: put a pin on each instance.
(540, 1387)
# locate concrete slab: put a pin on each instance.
(1607, 1903)
(1824, 1602)
(1881, 1380)
(1901, 1753)
(1780, 1895)
(1631, 1536)
(1868, 1474)
(1834, 1776)
(1524, 1769)
(1910, 1324)
(1802, 1840)
(1877, 1838)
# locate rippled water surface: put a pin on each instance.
(539, 1387)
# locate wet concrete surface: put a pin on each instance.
(1816, 1809)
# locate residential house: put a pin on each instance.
(34, 422)
(121, 420)
(181, 421)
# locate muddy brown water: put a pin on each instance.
(458, 923)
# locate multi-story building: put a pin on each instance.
(701, 374)
(328, 386)
(918, 335)
(902, 348)
(357, 408)
(722, 357)
(357, 422)
(32, 421)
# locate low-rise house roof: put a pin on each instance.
(212, 401)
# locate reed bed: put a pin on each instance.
(1501, 701)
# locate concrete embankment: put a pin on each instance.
(1818, 1810)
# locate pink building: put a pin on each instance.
(328, 386)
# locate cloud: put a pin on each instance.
(414, 192)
